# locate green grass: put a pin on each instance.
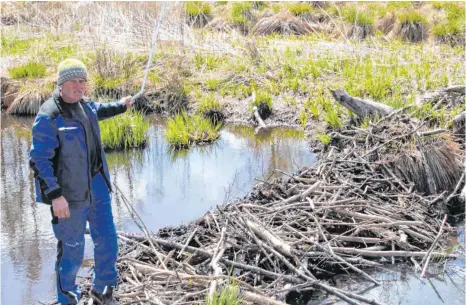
(300, 9)
(412, 17)
(333, 119)
(303, 118)
(213, 84)
(238, 10)
(128, 130)
(209, 102)
(13, 46)
(313, 107)
(207, 61)
(183, 131)
(196, 8)
(358, 17)
(228, 295)
(31, 69)
(263, 99)
(454, 24)
(324, 138)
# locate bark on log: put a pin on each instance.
(459, 124)
(360, 107)
(269, 237)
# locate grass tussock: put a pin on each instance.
(30, 96)
(452, 29)
(228, 295)
(300, 9)
(433, 168)
(386, 24)
(263, 102)
(31, 69)
(283, 23)
(125, 131)
(211, 109)
(198, 13)
(10, 89)
(413, 27)
(241, 16)
(113, 74)
(184, 131)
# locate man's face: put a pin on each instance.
(73, 90)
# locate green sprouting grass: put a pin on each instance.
(196, 8)
(209, 102)
(55, 54)
(358, 17)
(125, 131)
(263, 99)
(412, 17)
(238, 10)
(31, 69)
(228, 295)
(213, 84)
(332, 117)
(313, 107)
(454, 23)
(183, 131)
(303, 118)
(324, 138)
(207, 61)
(300, 9)
(13, 45)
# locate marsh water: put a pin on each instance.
(166, 189)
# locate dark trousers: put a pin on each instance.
(70, 250)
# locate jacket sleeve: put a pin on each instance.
(44, 143)
(108, 110)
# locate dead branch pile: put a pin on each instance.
(352, 210)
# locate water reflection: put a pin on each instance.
(160, 181)
(166, 189)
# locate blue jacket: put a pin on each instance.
(59, 155)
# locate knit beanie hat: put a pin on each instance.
(71, 68)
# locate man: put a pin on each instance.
(71, 174)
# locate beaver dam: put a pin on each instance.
(380, 194)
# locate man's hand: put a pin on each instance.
(128, 101)
(60, 207)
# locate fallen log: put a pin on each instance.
(360, 107)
